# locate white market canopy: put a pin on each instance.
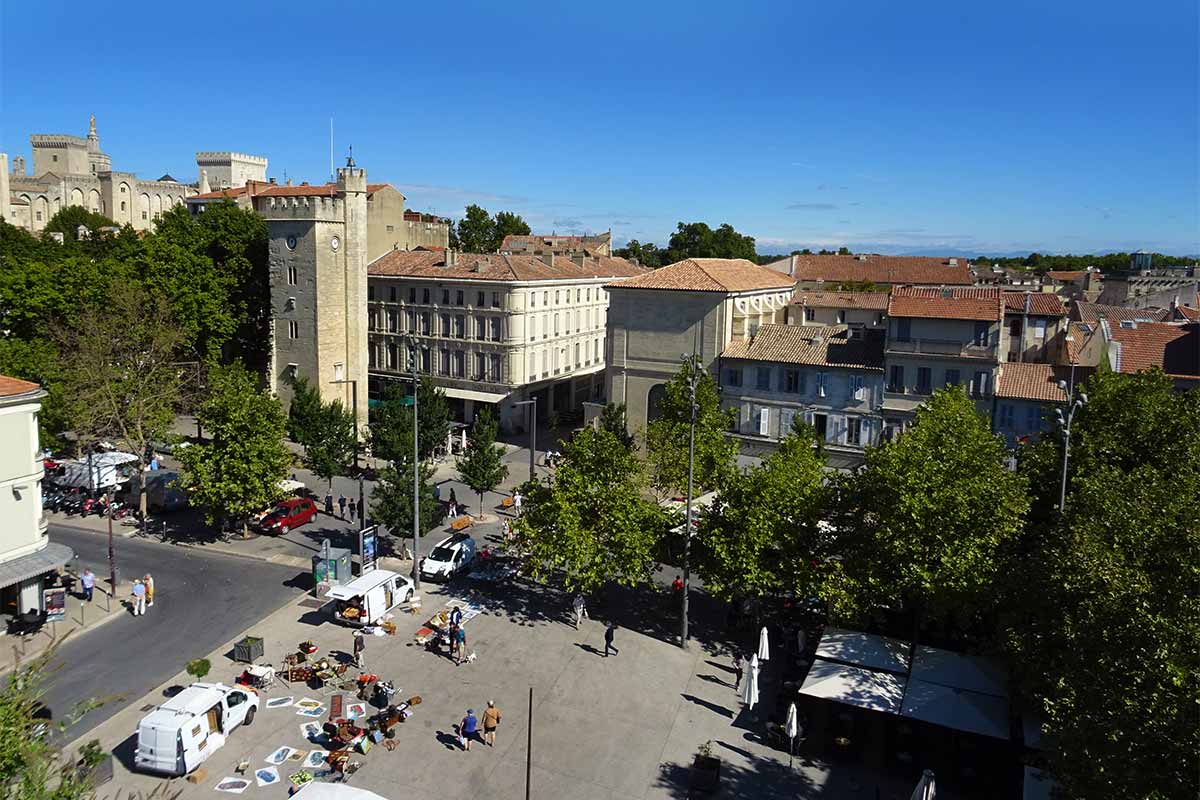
(958, 709)
(856, 686)
(957, 670)
(865, 650)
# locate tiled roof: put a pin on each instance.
(1187, 313)
(523, 242)
(496, 267)
(1090, 312)
(1033, 382)
(1174, 348)
(896, 270)
(266, 189)
(974, 304)
(871, 301)
(819, 345)
(711, 275)
(1041, 304)
(1066, 275)
(13, 387)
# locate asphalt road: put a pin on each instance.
(200, 600)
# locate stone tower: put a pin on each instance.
(318, 269)
(5, 197)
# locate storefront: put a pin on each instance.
(22, 579)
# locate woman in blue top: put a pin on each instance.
(469, 728)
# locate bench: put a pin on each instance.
(461, 523)
(506, 502)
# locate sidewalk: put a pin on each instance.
(81, 616)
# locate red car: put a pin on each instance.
(287, 515)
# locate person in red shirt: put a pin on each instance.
(677, 585)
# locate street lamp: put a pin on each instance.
(413, 346)
(362, 507)
(692, 362)
(532, 433)
(1064, 423)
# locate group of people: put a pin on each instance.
(143, 594)
(469, 727)
(580, 613)
(344, 505)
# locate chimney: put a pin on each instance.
(953, 262)
(580, 259)
(451, 257)
(482, 264)
(548, 259)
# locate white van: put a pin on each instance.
(365, 600)
(451, 556)
(183, 732)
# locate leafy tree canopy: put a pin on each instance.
(391, 423)
(392, 500)
(613, 420)
(648, 254)
(481, 467)
(667, 436)
(331, 441)
(477, 232)
(304, 414)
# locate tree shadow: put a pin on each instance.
(762, 779)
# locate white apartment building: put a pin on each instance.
(27, 556)
(493, 329)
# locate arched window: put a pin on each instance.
(654, 401)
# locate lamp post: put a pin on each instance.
(1064, 423)
(532, 403)
(693, 377)
(362, 507)
(413, 346)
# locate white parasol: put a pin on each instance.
(792, 728)
(926, 789)
(750, 684)
(764, 649)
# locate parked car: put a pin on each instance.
(179, 735)
(451, 556)
(288, 514)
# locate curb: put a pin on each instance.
(108, 617)
(282, 560)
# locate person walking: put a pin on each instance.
(491, 721)
(329, 504)
(88, 581)
(362, 514)
(148, 580)
(517, 500)
(453, 507)
(452, 635)
(738, 666)
(461, 634)
(580, 608)
(353, 509)
(608, 639)
(455, 616)
(468, 729)
(341, 506)
(360, 646)
(139, 598)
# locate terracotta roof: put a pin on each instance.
(1020, 381)
(711, 275)
(14, 387)
(496, 267)
(236, 191)
(521, 242)
(1041, 304)
(267, 189)
(1066, 275)
(872, 301)
(1174, 348)
(1090, 312)
(881, 269)
(818, 345)
(977, 304)
(1187, 313)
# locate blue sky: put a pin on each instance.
(885, 126)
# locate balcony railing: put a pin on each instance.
(943, 347)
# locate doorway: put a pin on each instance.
(821, 425)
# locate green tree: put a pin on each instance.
(648, 255)
(476, 231)
(392, 499)
(391, 422)
(481, 467)
(590, 520)
(667, 436)
(237, 472)
(331, 441)
(119, 370)
(508, 224)
(68, 220)
(304, 413)
(613, 420)
(763, 534)
(697, 240)
(931, 512)
(1102, 603)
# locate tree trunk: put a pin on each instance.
(481, 505)
(142, 504)
(245, 530)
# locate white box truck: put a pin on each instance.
(366, 599)
(183, 732)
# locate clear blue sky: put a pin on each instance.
(898, 127)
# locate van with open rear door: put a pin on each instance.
(183, 732)
(366, 599)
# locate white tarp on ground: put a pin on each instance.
(864, 650)
(959, 671)
(856, 686)
(334, 791)
(958, 709)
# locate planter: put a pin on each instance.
(704, 776)
(248, 649)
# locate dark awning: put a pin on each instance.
(48, 559)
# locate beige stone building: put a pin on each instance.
(856, 309)
(599, 245)
(74, 171)
(831, 271)
(698, 305)
(224, 170)
(494, 329)
(389, 225)
(1035, 325)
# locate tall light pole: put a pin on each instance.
(416, 570)
(362, 507)
(693, 377)
(532, 403)
(1064, 423)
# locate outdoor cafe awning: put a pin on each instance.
(856, 686)
(958, 670)
(48, 559)
(957, 709)
(864, 650)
